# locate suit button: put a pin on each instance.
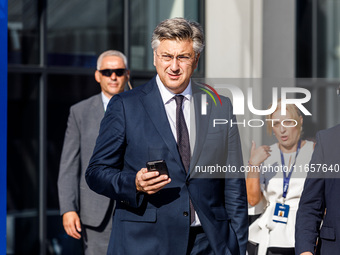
(187, 183)
(185, 214)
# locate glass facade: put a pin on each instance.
(318, 57)
(22, 163)
(318, 39)
(79, 30)
(23, 32)
(52, 52)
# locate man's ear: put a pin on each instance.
(97, 76)
(154, 58)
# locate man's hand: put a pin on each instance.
(71, 224)
(150, 182)
(306, 253)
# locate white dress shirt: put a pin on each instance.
(170, 108)
(105, 100)
(170, 105)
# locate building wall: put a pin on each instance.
(233, 39)
(234, 53)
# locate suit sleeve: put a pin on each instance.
(311, 206)
(235, 189)
(69, 169)
(106, 174)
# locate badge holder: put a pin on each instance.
(281, 213)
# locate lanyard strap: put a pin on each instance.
(286, 178)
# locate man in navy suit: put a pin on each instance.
(183, 212)
(317, 228)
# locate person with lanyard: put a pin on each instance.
(275, 182)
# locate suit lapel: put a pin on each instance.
(98, 109)
(154, 107)
(201, 125)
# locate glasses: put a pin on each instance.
(108, 72)
(181, 58)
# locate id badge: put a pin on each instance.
(281, 213)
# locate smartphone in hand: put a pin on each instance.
(158, 165)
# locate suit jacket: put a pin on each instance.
(320, 199)
(80, 138)
(135, 129)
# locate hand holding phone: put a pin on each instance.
(158, 165)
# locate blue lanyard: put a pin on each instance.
(286, 178)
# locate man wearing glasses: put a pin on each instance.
(85, 213)
(175, 212)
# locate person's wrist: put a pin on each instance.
(254, 169)
(251, 164)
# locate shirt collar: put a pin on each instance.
(105, 100)
(167, 95)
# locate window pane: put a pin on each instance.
(329, 38)
(318, 55)
(23, 32)
(22, 164)
(79, 30)
(318, 39)
(145, 16)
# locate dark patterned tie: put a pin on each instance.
(182, 134)
(183, 143)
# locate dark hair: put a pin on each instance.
(179, 29)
